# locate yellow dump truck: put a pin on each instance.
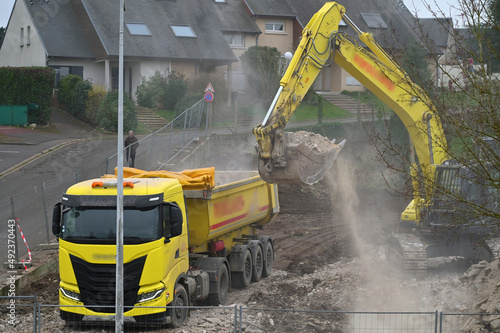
(181, 245)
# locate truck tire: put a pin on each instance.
(71, 319)
(258, 264)
(179, 315)
(223, 281)
(243, 279)
(267, 270)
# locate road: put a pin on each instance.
(74, 152)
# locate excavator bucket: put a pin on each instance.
(299, 158)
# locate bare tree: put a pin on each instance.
(465, 97)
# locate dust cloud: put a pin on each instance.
(384, 288)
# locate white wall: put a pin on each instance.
(32, 53)
(149, 67)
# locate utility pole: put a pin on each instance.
(119, 194)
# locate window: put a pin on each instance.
(374, 21)
(350, 81)
(62, 71)
(220, 0)
(22, 38)
(235, 40)
(28, 42)
(138, 29)
(96, 225)
(182, 31)
(275, 26)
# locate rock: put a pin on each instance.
(495, 324)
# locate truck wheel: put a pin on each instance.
(71, 319)
(267, 270)
(179, 315)
(243, 279)
(223, 281)
(259, 265)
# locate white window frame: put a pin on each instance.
(179, 34)
(232, 43)
(275, 23)
(130, 25)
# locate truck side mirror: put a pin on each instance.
(56, 219)
(172, 220)
(176, 220)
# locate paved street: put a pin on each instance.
(55, 159)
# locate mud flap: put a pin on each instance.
(236, 263)
(212, 266)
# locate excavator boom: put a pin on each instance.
(306, 157)
(299, 157)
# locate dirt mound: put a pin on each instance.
(482, 282)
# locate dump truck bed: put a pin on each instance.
(240, 198)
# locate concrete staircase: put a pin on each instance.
(347, 103)
(150, 119)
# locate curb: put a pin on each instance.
(32, 276)
(36, 156)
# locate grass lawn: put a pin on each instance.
(309, 112)
(305, 112)
(368, 98)
(166, 114)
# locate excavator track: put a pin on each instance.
(408, 252)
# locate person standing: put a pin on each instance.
(131, 144)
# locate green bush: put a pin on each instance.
(67, 86)
(176, 90)
(23, 85)
(161, 91)
(108, 112)
(94, 99)
(151, 92)
(80, 96)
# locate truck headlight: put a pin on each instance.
(150, 295)
(71, 294)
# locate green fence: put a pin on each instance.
(14, 115)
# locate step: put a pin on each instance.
(347, 103)
(150, 119)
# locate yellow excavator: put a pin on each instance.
(289, 157)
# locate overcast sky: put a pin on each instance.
(413, 5)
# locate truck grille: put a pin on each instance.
(97, 283)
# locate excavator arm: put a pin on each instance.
(303, 157)
(322, 43)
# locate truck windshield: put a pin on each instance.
(97, 225)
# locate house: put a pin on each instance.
(81, 37)
(188, 36)
(281, 23)
(437, 36)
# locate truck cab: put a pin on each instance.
(155, 247)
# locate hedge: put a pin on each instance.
(23, 85)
